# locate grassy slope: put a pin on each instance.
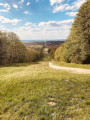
(83, 66)
(26, 90)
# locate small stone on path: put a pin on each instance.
(52, 103)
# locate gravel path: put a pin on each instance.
(70, 69)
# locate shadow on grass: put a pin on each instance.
(19, 64)
(26, 63)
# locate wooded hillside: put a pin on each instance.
(12, 50)
(77, 46)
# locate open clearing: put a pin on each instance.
(37, 92)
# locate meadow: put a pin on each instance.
(33, 91)
(29, 88)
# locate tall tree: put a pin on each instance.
(12, 50)
(77, 45)
(18, 49)
(4, 44)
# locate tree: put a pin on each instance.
(12, 50)
(4, 45)
(77, 45)
(18, 49)
(58, 53)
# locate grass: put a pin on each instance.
(26, 90)
(84, 66)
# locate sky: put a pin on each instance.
(38, 19)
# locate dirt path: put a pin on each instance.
(70, 69)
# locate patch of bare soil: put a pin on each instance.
(70, 69)
(52, 103)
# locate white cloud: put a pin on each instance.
(15, 6)
(27, 12)
(71, 13)
(60, 8)
(3, 28)
(6, 20)
(28, 23)
(28, 3)
(29, 34)
(21, 2)
(6, 6)
(44, 30)
(52, 2)
(64, 7)
(78, 3)
(3, 10)
(58, 25)
(75, 5)
(1, 4)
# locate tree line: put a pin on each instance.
(76, 48)
(12, 50)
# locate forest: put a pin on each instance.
(12, 50)
(76, 48)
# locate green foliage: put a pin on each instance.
(32, 55)
(58, 53)
(77, 46)
(3, 44)
(17, 48)
(12, 50)
(52, 51)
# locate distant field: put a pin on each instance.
(54, 44)
(36, 92)
(48, 44)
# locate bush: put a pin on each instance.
(58, 53)
(31, 55)
(52, 52)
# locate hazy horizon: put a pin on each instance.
(46, 40)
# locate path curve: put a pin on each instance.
(70, 69)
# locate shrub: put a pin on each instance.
(58, 53)
(31, 55)
(52, 52)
